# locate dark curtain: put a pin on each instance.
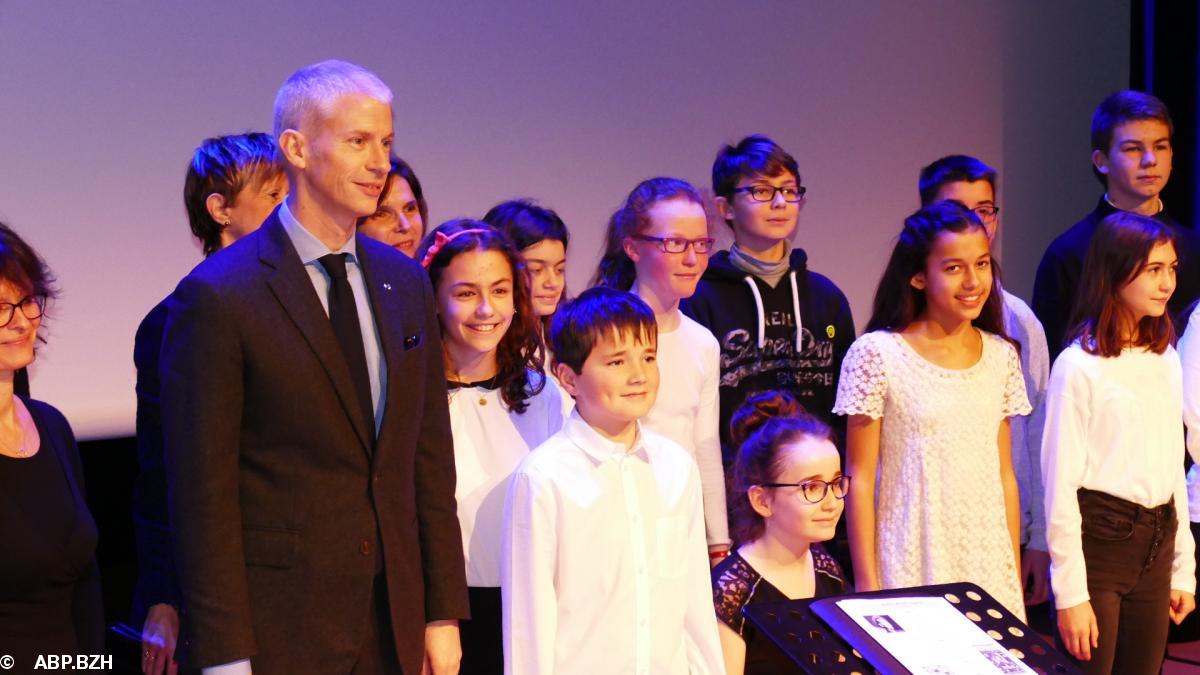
(1164, 61)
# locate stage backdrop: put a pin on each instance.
(569, 103)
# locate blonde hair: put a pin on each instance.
(312, 89)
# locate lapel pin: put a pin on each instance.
(387, 287)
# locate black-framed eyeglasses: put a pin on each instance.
(701, 246)
(766, 193)
(31, 306)
(814, 490)
(987, 213)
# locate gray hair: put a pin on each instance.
(312, 89)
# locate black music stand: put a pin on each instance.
(820, 643)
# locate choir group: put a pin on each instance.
(367, 445)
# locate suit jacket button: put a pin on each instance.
(378, 475)
(365, 547)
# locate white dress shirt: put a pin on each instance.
(489, 442)
(1112, 425)
(604, 568)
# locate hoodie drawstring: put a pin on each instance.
(795, 312)
(758, 303)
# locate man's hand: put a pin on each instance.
(159, 635)
(1035, 576)
(1079, 630)
(1182, 604)
(443, 651)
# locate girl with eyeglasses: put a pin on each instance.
(788, 491)
(657, 248)
(929, 391)
(1121, 551)
(501, 403)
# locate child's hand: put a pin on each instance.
(1035, 576)
(1079, 630)
(1182, 604)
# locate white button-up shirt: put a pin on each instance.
(604, 566)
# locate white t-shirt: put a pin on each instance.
(688, 412)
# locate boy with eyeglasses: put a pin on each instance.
(1131, 157)
(972, 183)
(779, 325)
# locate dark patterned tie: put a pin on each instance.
(343, 314)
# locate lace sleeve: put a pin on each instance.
(830, 580)
(1016, 398)
(733, 583)
(862, 386)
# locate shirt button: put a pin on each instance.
(378, 475)
(365, 547)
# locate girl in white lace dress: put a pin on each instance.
(929, 390)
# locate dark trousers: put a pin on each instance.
(378, 654)
(1128, 550)
(482, 636)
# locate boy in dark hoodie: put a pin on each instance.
(779, 325)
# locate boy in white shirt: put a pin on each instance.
(603, 567)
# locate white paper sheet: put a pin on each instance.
(930, 637)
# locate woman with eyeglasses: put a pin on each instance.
(49, 584)
(657, 248)
(788, 492)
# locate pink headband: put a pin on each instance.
(440, 240)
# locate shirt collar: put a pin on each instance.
(599, 448)
(307, 245)
(1117, 208)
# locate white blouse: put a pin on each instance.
(1113, 424)
(489, 442)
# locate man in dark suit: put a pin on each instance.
(307, 437)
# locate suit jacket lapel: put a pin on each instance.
(290, 283)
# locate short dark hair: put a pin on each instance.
(777, 420)
(402, 169)
(520, 350)
(897, 303)
(1121, 107)
(22, 267)
(616, 270)
(595, 314)
(754, 155)
(1118, 251)
(225, 165)
(952, 169)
